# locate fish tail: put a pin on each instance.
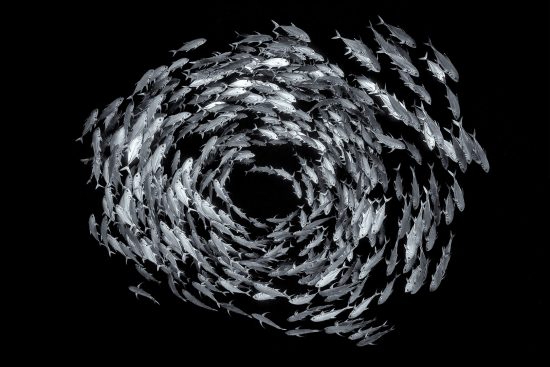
(425, 57)
(381, 20)
(337, 36)
(429, 43)
(275, 24)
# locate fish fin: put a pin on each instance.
(429, 43)
(381, 20)
(337, 36)
(425, 57)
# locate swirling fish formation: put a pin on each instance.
(376, 174)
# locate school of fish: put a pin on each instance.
(378, 177)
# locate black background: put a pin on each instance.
(76, 302)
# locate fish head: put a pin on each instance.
(453, 76)
(412, 71)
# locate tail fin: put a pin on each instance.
(429, 43)
(381, 20)
(337, 36)
(425, 57)
(275, 24)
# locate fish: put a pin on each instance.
(370, 339)
(276, 62)
(144, 273)
(92, 224)
(190, 45)
(454, 106)
(441, 267)
(458, 195)
(232, 308)
(194, 300)
(445, 63)
(386, 292)
(293, 31)
(269, 290)
(300, 332)
(328, 315)
(264, 320)
(449, 208)
(392, 261)
(362, 306)
(302, 299)
(140, 292)
(399, 34)
(435, 69)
